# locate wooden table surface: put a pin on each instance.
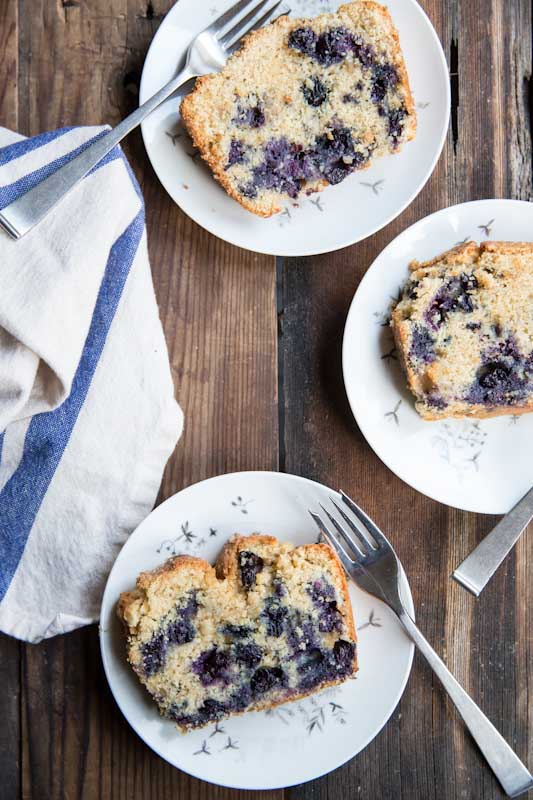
(255, 347)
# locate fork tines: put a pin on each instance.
(350, 531)
(250, 15)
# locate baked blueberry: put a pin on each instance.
(343, 655)
(240, 699)
(363, 52)
(302, 632)
(250, 565)
(249, 654)
(315, 91)
(274, 616)
(236, 631)
(210, 711)
(434, 400)
(154, 654)
(250, 116)
(265, 679)
(384, 77)
(422, 345)
(211, 666)
(180, 631)
(321, 591)
(304, 40)
(454, 295)
(396, 119)
(236, 153)
(248, 190)
(333, 46)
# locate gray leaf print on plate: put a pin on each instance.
(460, 444)
(241, 504)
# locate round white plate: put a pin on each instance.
(297, 741)
(477, 465)
(339, 216)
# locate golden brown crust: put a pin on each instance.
(467, 252)
(476, 413)
(459, 254)
(507, 248)
(193, 122)
(169, 568)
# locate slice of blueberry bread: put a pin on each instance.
(464, 331)
(302, 104)
(269, 623)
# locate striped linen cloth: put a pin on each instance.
(88, 417)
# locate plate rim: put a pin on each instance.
(103, 633)
(350, 393)
(288, 252)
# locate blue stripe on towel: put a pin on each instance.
(12, 191)
(1, 445)
(48, 434)
(12, 151)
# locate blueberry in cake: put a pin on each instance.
(302, 105)
(464, 331)
(269, 623)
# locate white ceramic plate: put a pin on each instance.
(476, 465)
(339, 216)
(298, 741)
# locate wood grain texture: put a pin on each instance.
(79, 62)
(9, 51)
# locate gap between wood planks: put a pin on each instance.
(281, 368)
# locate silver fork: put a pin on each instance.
(371, 562)
(207, 53)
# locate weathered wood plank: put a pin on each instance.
(10, 733)
(424, 752)
(9, 48)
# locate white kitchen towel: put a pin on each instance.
(88, 417)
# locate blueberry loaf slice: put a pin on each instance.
(302, 104)
(269, 623)
(464, 331)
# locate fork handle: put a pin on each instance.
(478, 568)
(512, 774)
(23, 214)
